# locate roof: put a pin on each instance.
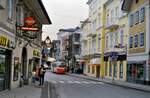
(126, 5)
(69, 30)
(44, 10)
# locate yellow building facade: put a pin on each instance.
(138, 70)
(115, 41)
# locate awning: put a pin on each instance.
(95, 61)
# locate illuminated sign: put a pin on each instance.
(29, 28)
(29, 21)
(5, 42)
(36, 53)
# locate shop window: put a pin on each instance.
(141, 39)
(16, 68)
(131, 42)
(121, 69)
(115, 70)
(142, 14)
(136, 41)
(93, 70)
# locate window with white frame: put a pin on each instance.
(121, 37)
(136, 40)
(10, 9)
(99, 43)
(141, 39)
(131, 20)
(136, 17)
(106, 42)
(116, 38)
(117, 12)
(142, 14)
(111, 40)
(99, 19)
(112, 15)
(131, 42)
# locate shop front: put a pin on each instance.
(136, 72)
(6, 46)
(36, 59)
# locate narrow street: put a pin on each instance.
(64, 86)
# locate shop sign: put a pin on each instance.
(36, 53)
(5, 42)
(29, 21)
(29, 29)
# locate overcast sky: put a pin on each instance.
(64, 14)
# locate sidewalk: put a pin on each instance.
(115, 82)
(22, 92)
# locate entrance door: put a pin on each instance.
(2, 71)
(5, 72)
(97, 71)
(24, 63)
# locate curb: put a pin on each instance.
(113, 83)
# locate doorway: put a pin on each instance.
(97, 71)
(5, 68)
(24, 63)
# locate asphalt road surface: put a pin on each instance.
(64, 86)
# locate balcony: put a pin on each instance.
(117, 48)
(112, 24)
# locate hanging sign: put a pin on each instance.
(29, 21)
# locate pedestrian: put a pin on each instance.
(41, 75)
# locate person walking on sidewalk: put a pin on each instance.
(41, 75)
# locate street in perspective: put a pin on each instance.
(74, 48)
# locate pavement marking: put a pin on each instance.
(70, 82)
(101, 83)
(61, 82)
(92, 82)
(77, 82)
(85, 82)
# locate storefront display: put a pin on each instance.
(136, 72)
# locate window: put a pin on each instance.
(136, 18)
(141, 39)
(115, 70)
(142, 14)
(131, 42)
(117, 12)
(131, 20)
(112, 15)
(121, 69)
(10, 8)
(99, 43)
(111, 40)
(121, 37)
(106, 42)
(116, 38)
(99, 19)
(136, 41)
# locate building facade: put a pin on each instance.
(7, 42)
(115, 41)
(138, 70)
(20, 40)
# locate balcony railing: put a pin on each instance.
(112, 24)
(116, 48)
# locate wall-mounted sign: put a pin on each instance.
(36, 53)
(29, 28)
(29, 21)
(5, 42)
